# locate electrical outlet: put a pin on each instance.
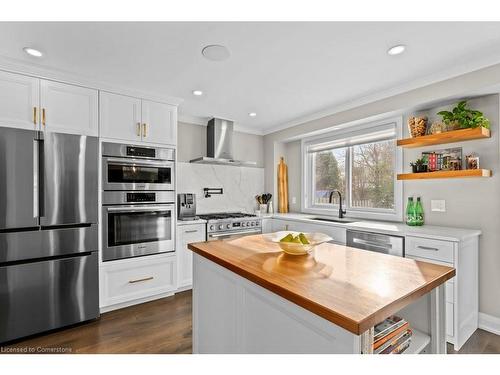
(438, 205)
(294, 200)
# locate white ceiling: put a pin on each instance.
(282, 71)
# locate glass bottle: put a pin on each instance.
(410, 212)
(419, 213)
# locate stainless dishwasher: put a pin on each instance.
(380, 243)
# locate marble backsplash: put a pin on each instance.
(240, 185)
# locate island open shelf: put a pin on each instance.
(446, 174)
(445, 137)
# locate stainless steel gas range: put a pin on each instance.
(224, 226)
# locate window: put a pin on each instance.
(362, 165)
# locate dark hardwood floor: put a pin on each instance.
(163, 326)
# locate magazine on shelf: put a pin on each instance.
(387, 326)
(391, 335)
(401, 348)
(391, 345)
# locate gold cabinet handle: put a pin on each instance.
(140, 280)
(144, 130)
(43, 116)
(138, 129)
(34, 115)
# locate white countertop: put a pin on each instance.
(393, 228)
(189, 222)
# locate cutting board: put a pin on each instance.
(282, 187)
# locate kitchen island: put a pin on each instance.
(250, 297)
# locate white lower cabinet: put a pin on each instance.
(129, 281)
(462, 307)
(187, 233)
(267, 225)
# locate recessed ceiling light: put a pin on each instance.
(197, 92)
(215, 52)
(396, 50)
(252, 114)
(32, 52)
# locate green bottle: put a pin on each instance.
(419, 213)
(410, 212)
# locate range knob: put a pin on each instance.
(247, 224)
(228, 226)
(221, 226)
(211, 227)
(253, 223)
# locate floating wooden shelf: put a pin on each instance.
(445, 137)
(446, 174)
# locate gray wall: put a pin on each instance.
(470, 203)
(192, 138)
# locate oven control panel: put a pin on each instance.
(234, 225)
(141, 197)
(141, 151)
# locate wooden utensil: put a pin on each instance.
(282, 186)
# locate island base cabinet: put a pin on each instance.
(242, 317)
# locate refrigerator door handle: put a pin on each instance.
(36, 170)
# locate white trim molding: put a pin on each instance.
(489, 323)
(59, 75)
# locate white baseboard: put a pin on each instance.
(105, 309)
(489, 323)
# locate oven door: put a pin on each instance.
(231, 236)
(131, 231)
(137, 174)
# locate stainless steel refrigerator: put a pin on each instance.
(48, 231)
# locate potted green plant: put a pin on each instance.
(462, 117)
(419, 166)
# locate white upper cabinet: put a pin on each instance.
(159, 122)
(19, 101)
(132, 119)
(68, 108)
(120, 117)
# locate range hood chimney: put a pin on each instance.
(220, 145)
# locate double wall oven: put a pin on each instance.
(138, 211)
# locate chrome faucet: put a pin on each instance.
(341, 211)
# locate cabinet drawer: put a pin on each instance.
(192, 233)
(450, 319)
(430, 249)
(137, 278)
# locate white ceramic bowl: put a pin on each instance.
(297, 248)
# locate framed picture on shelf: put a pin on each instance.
(472, 161)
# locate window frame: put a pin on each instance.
(307, 189)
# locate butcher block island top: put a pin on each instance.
(352, 288)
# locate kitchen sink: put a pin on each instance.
(345, 221)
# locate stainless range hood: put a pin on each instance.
(220, 145)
